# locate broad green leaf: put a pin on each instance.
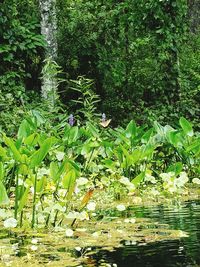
(138, 179)
(186, 126)
(4, 200)
(136, 156)
(176, 168)
(131, 129)
(2, 152)
(147, 135)
(54, 170)
(69, 181)
(32, 139)
(71, 135)
(16, 154)
(23, 199)
(38, 156)
(41, 184)
(194, 147)
(24, 130)
(175, 138)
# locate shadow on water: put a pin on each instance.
(184, 252)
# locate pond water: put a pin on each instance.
(150, 246)
(167, 253)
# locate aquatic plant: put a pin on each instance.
(53, 178)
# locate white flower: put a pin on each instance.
(60, 155)
(96, 234)
(121, 207)
(34, 241)
(124, 180)
(131, 220)
(91, 206)
(72, 215)
(34, 248)
(10, 223)
(3, 213)
(42, 172)
(129, 185)
(150, 178)
(78, 248)
(183, 176)
(196, 181)
(81, 181)
(154, 192)
(83, 216)
(167, 176)
(69, 232)
(57, 206)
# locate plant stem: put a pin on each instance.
(16, 196)
(34, 202)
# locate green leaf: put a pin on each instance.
(4, 200)
(176, 168)
(1, 171)
(71, 134)
(186, 126)
(24, 130)
(32, 139)
(38, 156)
(54, 171)
(69, 182)
(138, 179)
(131, 129)
(2, 152)
(16, 154)
(23, 200)
(41, 184)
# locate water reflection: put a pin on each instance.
(169, 253)
(16, 249)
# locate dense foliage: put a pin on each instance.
(143, 56)
(136, 62)
(47, 171)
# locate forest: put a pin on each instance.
(100, 133)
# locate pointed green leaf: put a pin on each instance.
(16, 154)
(24, 199)
(131, 129)
(38, 156)
(24, 130)
(4, 200)
(186, 126)
(138, 179)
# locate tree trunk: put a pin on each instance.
(49, 30)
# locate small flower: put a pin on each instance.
(69, 232)
(78, 248)
(91, 206)
(34, 248)
(121, 207)
(60, 155)
(196, 181)
(83, 216)
(71, 120)
(34, 241)
(10, 223)
(81, 181)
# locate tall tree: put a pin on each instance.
(49, 30)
